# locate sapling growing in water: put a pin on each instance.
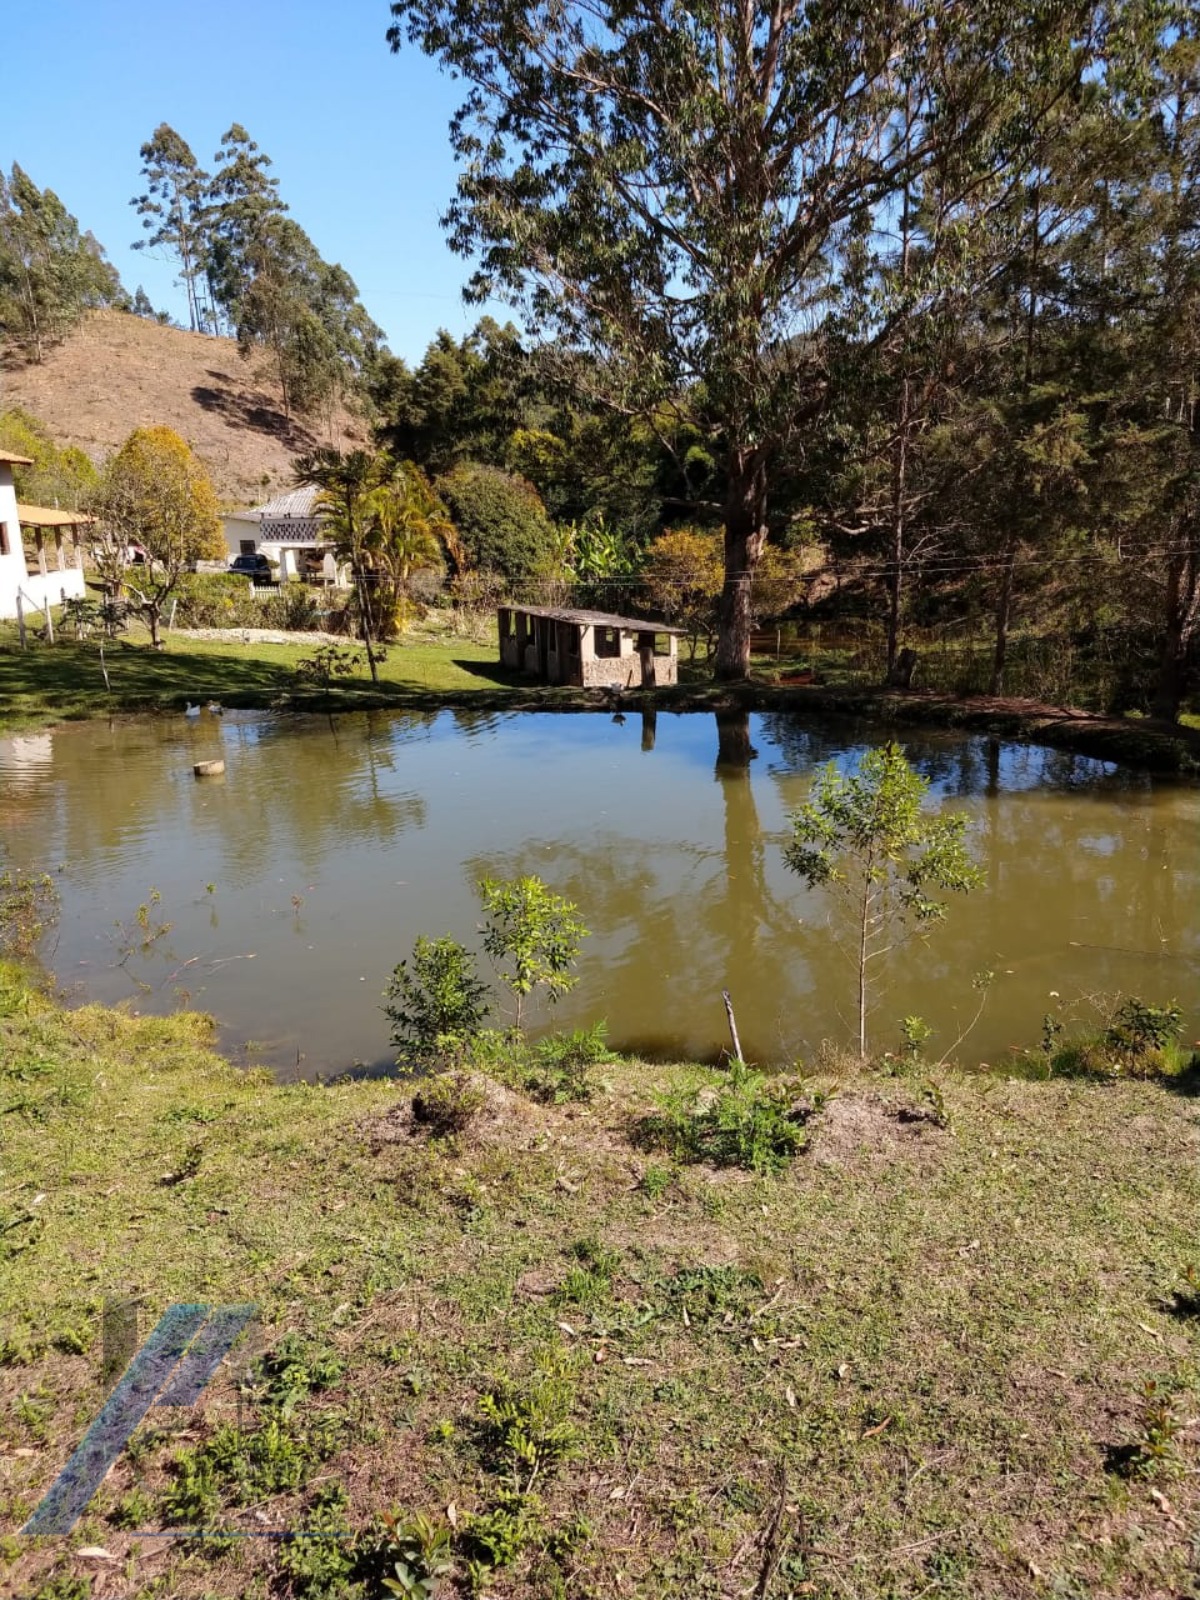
(868, 837)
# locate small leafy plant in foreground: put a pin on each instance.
(1139, 1032)
(416, 1554)
(1155, 1452)
(562, 1064)
(437, 1005)
(751, 1121)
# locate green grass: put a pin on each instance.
(66, 680)
(913, 1361)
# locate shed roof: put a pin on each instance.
(15, 461)
(599, 619)
(50, 517)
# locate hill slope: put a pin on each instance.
(120, 372)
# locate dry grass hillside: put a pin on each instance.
(120, 372)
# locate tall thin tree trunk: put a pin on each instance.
(1181, 615)
(745, 535)
(1003, 618)
(899, 489)
(365, 620)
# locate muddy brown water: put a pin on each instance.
(294, 883)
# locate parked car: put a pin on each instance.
(254, 566)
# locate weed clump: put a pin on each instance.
(447, 1105)
(751, 1121)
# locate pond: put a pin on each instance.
(293, 884)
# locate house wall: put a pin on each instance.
(12, 551)
(239, 530)
(15, 578)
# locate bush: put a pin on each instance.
(751, 1122)
(448, 1105)
(214, 600)
(562, 1064)
(1139, 1032)
(438, 1004)
(327, 662)
(292, 607)
(500, 519)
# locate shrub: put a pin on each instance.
(415, 1554)
(562, 1064)
(501, 520)
(437, 1005)
(327, 662)
(448, 1105)
(751, 1121)
(536, 932)
(1138, 1032)
(292, 607)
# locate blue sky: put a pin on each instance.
(357, 135)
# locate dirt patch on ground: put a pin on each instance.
(261, 636)
(865, 1130)
(504, 1118)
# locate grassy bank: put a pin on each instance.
(425, 671)
(912, 1362)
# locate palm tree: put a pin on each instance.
(347, 482)
(410, 528)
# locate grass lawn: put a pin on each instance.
(911, 1363)
(66, 680)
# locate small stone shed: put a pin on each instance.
(588, 649)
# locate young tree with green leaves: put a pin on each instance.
(869, 838)
(533, 935)
(673, 187)
(154, 493)
(437, 1004)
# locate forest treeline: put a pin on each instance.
(986, 409)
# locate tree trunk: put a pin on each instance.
(745, 535)
(1003, 618)
(1182, 614)
(734, 750)
(364, 617)
(899, 489)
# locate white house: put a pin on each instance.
(289, 531)
(52, 571)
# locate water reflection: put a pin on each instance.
(333, 843)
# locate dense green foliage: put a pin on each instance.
(50, 272)
(60, 475)
(437, 1004)
(500, 519)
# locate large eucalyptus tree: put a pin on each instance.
(672, 185)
